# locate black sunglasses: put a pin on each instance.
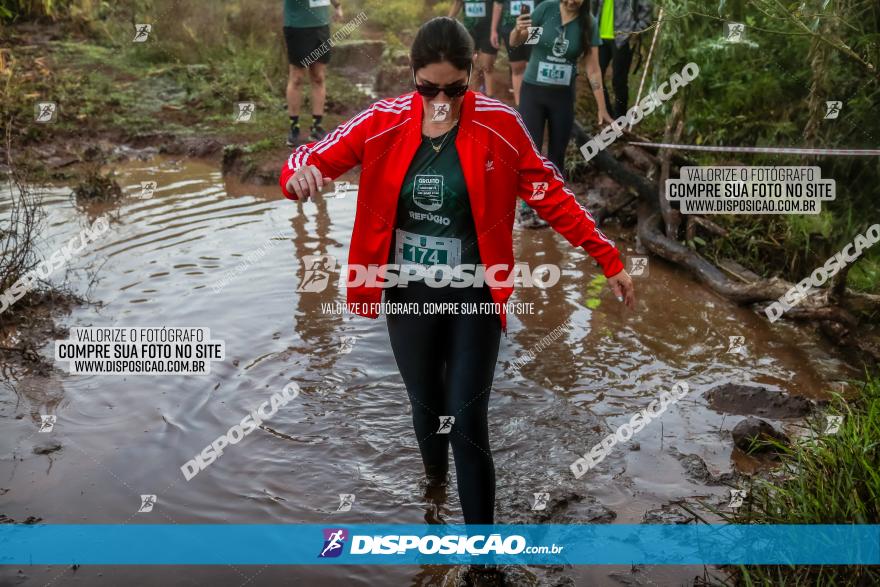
(456, 91)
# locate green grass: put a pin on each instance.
(95, 87)
(792, 246)
(126, 89)
(826, 479)
(865, 276)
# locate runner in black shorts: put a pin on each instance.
(504, 16)
(302, 42)
(478, 22)
(568, 35)
(307, 36)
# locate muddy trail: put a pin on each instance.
(212, 252)
(215, 245)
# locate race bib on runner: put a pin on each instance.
(516, 6)
(318, 3)
(554, 73)
(426, 251)
(475, 9)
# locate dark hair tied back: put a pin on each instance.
(442, 39)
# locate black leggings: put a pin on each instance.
(620, 59)
(555, 107)
(447, 362)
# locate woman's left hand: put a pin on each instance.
(622, 286)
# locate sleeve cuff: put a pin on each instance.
(613, 268)
(609, 260)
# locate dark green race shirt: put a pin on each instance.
(434, 223)
(553, 61)
(303, 14)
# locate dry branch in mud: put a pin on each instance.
(834, 307)
(22, 223)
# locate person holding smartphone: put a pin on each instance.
(443, 203)
(563, 32)
(504, 16)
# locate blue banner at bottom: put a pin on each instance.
(218, 544)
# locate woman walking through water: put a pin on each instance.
(564, 31)
(442, 168)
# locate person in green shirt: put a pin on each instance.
(620, 23)
(561, 33)
(504, 15)
(478, 22)
(307, 36)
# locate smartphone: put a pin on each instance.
(524, 9)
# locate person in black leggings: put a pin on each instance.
(549, 107)
(568, 32)
(449, 373)
(440, 203)
(447, 361)
(620, 22)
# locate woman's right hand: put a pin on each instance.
(308, 181)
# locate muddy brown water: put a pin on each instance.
(350, 430)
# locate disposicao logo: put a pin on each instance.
(334, 540)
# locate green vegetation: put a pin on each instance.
(13, 10)
(395, 16)
(823, 479)
(199, 60)
(770, 91)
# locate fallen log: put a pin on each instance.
(653, 239)
(641, 158)
(817, 307)
(671, 217)
(606, 163)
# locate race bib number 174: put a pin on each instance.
(417, 249)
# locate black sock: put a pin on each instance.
(317, 118)
(294, 121)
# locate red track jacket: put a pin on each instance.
(499, 161)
